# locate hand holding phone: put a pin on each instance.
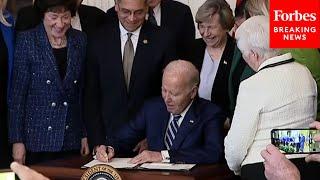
(295, 141)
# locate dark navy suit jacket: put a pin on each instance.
(108, 104)
(198, 140)
(44, 112)
(8, 36)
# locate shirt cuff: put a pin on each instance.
(165, 156)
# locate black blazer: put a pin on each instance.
(27, 18)
(90, 18)
(219, 93)
(175, 17)
(108, 105)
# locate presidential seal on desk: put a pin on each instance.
(101, 172)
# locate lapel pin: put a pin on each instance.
(225, 62)
(191, 121)
(145, 41)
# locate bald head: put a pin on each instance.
(179, 85)
(184, 70)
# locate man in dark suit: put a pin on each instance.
(124, 68)
(90, 18)
(174, 16)
(179, 126)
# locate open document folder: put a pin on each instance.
(122, 163)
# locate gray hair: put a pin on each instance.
(118, 1)
(253, 34)
(211, 7)
(2, 17)
(183, 69)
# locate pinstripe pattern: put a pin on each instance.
(172, 131)
(44, 111)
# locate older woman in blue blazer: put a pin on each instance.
(44, 112)
(6, 60)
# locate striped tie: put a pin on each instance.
(172, 131)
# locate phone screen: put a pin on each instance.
(295, 141)
(7, 176)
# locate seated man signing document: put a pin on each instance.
(180, 127)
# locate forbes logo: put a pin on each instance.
(279, 15)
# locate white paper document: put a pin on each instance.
(115, 163)
(167, 166)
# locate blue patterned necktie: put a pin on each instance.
(172, 131)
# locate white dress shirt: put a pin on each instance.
(124, 38)
(208, 74)
(75, 22)
(157, 14)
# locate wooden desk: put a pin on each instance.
(70, 169)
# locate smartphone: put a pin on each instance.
(7, 175)
(295, 141)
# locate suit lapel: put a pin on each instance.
(164, 14)
(115, 55)
(73, 62)
(83, 19)
(47, 55)
(140, 57)
(164, 120)
(225, 64)
(189, 122)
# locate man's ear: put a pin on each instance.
(254, 54)
(116, 7)
(194, 92)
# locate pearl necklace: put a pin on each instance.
(62, 43)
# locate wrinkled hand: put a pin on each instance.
(277, 166)
(25, 173)
(84, 147)
(146, 156)
(314, 157)
(104, 154)
(19, 153)
(141, 146)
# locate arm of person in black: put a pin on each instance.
(91, 101)
(186, 35)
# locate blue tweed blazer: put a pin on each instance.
(45, 111)
(8, 35)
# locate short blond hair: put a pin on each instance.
(257, 7)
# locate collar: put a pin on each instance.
(275, 59)
(184, 112)
(157, 9)
(123, 31)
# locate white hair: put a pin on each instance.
(254, 35)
